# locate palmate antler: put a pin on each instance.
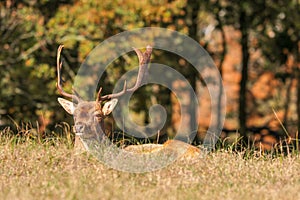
(144, 59)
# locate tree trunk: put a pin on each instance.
(222, 58)
(192, 10)
(244, 79)
(287, 101)
(298, 92)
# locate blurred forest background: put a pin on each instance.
(255, 45)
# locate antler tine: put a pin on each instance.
(99, 95)
(59, 80)
(144, 59)
(143, 71)
(116, 95)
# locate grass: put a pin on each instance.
(49, 169)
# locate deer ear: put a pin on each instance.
(69, 106)
(109, 106)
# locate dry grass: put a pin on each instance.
(32, 170)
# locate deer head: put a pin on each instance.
(89, 115)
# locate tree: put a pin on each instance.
(28, 78)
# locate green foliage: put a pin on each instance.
(31, 34)
(31, 31)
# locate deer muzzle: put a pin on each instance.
(79, 128)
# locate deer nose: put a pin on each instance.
(79, 127)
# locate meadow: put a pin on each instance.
(31, 168)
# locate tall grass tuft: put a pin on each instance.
(27, 133)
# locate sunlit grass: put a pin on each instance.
(32, 168)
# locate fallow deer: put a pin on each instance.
(89, 115)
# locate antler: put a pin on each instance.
(144, 59)
(58, 84)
